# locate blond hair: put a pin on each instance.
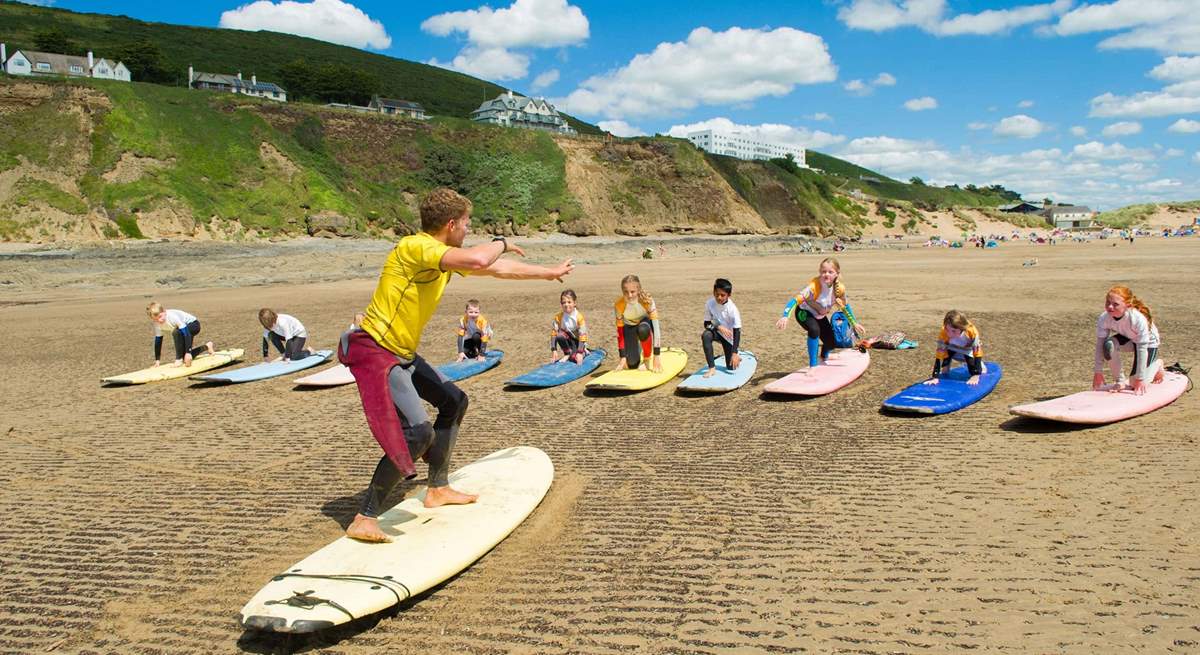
(643, 297)
(441, 206)
(267, 317)
(154, 309)
(955, 318)
(1133, 301)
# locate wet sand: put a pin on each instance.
(141, 519)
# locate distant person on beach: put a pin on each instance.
(722, 324)
(183, 328)
(1126, 325)
(568, 331)
(959, 339)
(816, 302)
(638, 330)
(393, 379)
(474, 333)
(284, 332)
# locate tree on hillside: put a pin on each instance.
(787, 163)
(916, 181)
(56, 41)
(144, 61)
(328, 83)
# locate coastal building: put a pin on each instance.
(235, 84)
(397, 107)
(739, 145)
(1021, 208)
(511, 110)
(1069, 217)
(34, 63)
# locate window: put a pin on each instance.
(75, 68)
(43, 66)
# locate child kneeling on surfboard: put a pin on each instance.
(959, 339)
(1126, 325)
(284, 332)
(393, 379)
(816, 302)
(723, 324)
(474, 333)
(568, 331)
(183, 327)
(637, 326)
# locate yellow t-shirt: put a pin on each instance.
(410, 286)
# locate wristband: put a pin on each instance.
(501, 240)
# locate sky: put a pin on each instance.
(1093, 103)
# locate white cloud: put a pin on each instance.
(545, 79)
(1123, 128)
(861, 88)
(884, 79)
(327, 20)
(773, 132)
(524, 24)
(1171, 153)
(1169, 26)
(1180, 98)
(900, 155)
(1184, 126)
(1020, 126)
(1098, 150)
(857, 87)
(978, 125)
(1025, 104)
(488, 63)
(1158, 185)
(930, 16)
(1078, 130)
(1196, 157)
(820, 116)
(921, 104)
(492, 34)
(621, 128)
(1177, 69)
(709, 68)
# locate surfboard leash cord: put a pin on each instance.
(305, 600)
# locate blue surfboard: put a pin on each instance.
(265, 370)
(724, 379)
(455, 371)
(951, 393)
(556, 373)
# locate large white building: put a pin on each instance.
(512, 110)
(743, 147)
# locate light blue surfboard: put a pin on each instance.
(554, 374)
(265, 370)
(455, 371)
(951, 393)
(724, 379)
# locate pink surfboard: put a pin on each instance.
(331, 377)
(1099, 407)
(842, 368)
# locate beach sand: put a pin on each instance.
(140, 519)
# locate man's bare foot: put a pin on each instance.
(438, 496)
(366, 528)
(710, 372)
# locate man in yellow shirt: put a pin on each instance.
(393, 379)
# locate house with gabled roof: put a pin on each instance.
(393, 107)
(1068, 217)
(513, 110)
(36, 63)
(235, 84)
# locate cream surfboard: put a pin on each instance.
(1100, 407)
(842, 368)
(169, 371)
(331, 377)
(673, 361)
(349, 579)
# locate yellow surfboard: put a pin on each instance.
(169, 371)
(673, 361)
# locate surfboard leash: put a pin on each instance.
(305, 600)
(1179, 368)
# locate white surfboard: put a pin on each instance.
(331, 377)
(350, 579)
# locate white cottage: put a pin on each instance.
(512, 110)
(235, 84)
(32, 62)
(107, 69)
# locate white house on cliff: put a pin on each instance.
(235, 84)
(513, 110)
(34, 63)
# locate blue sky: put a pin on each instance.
(1095, 103)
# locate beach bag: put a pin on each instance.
(888, 340)
(843, 332)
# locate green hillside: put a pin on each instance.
(442, 92)
(847, 176)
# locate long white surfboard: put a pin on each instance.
(350, 579)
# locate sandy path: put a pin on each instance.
(140, 519)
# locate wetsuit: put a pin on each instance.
(288, 336)
(184, 327)
(717, 315)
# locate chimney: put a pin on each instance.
(3, 53)
(253, 79)
(191, 75)
(91, 61)
(239, 75)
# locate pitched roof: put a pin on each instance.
(1069, 209)
(233, 81)
(398, 104)
(60, 64)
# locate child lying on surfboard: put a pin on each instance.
(183, 328)
(474, 333)
(959, 339)
(1126, 325)
(637, 326)
(816, 302)
(722, 324)
(568, 331)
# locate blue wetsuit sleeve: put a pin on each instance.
(787, 310)
(737, 338)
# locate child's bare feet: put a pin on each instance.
(208, 346)
(187, 359)
(438, 496)
(710, 372)
(366, 528)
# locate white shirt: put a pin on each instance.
(176, 318)
(820, 305)
(570, 322)
(726, 315)
(287, 327)
(1132, 326)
